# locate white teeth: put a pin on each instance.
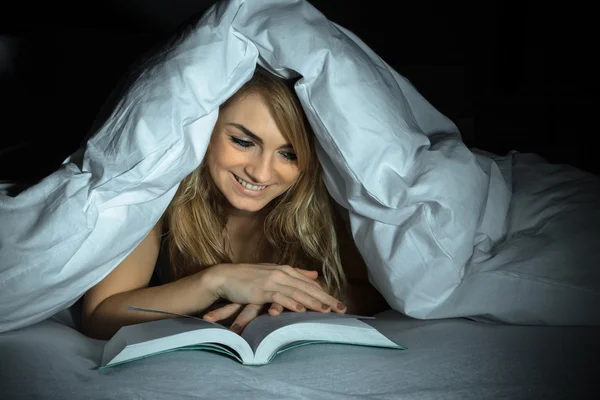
(249, 186)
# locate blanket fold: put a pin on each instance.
(428, 214)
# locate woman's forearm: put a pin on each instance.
(188, 295)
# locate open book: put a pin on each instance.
(262, 339)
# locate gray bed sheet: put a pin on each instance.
(446, 359)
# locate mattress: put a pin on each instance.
(446, 359)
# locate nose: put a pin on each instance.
(260, 168)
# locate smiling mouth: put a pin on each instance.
(249, 186)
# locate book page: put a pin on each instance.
(335, 330)
(264, 324)
(154, 337)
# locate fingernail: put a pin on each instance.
(340, 306)
(324, 307)
(236, 328)
(299, 307)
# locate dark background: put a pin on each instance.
(513, 76)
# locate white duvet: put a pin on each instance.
(445, 231)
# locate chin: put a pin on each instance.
(245, 207)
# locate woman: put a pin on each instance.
(253, 225)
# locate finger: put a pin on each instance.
(316, 282)
(248, 313)
(297, 300)
(286, 302)
(275, 309)
(311, 296)
(222, 313)
(298, 273)
(302, 274)
(313, 275)
(308, 273)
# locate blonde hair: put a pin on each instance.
(299, 223)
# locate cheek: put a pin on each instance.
(222, 154)
(290, 175)
(215, 159)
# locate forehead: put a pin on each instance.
(253, 113)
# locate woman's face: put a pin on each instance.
(248, 158)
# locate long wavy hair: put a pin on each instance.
(299, 223)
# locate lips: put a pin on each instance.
(245, 191)
(250, 186)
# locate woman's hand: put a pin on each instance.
(287, 287)
(267, 283)
(276, 308)
(243, 314)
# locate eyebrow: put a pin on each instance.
(256, 138)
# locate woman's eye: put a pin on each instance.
(289, 156)
(241, 142)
